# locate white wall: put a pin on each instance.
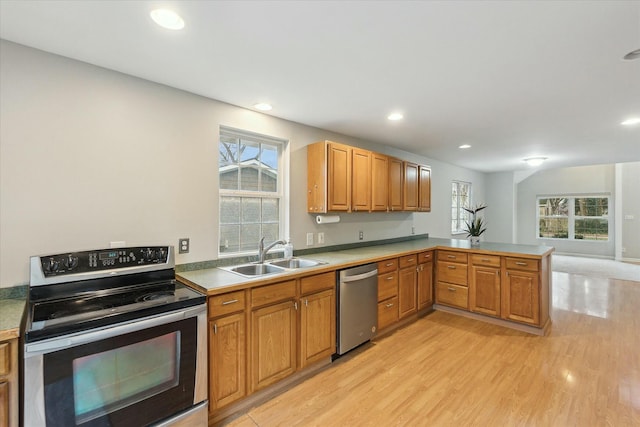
(501, 202)
(89, 156)
(629, 215)
(598, 179)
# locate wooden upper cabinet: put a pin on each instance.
(339, 177)
(410, 194)
(396, 187)
(361, 180)
(379, 182)
(424, 189)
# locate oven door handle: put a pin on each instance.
(48, 346)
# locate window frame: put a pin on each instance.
(571, 216)
(281, 194)
(462, 215)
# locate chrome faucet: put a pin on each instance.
(262, 251)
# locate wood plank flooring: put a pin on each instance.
(445, 370)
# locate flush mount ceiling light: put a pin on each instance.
(464, 146)
(167, 19)
(634, 54)
(631, 121)
(263, 106)
(535, 161)
(394, 117)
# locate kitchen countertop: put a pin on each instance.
(11, 311)
(214, 281)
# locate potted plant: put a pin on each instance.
(476, 226)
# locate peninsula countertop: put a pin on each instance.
(215, 281)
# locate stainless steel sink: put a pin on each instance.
(252, 270)
(293, 263)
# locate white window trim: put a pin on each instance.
(282, 193)
(460, 231)
(571, 199)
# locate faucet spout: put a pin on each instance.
(262, 250)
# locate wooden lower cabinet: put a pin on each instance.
(407, 292)
(425, 285)
(454, 295)
(317, 326)
(273, 343)
(484, 290)
(9, 383)
(387, 313)
(521, 297)
(227, 360)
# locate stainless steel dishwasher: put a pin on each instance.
(357, 306)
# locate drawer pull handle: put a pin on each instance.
(390, 278)
(215, 328)
(485, 260)
(452, 267)
(389, 264)
(521, 263)
(451, 256)
(389, 305)
(233, 301)
(451, 289)
(411, 260)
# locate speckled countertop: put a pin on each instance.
(12, 303)
(215, 281)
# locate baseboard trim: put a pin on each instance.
(500, 322)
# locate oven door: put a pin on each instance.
(135, 374)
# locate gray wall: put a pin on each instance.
(598, 179)
(89, 156)
(500, 212)
(629, 215)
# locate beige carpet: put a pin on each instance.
(603, 268)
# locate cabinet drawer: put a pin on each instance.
(273, 293)
(387, 265)
(408, 261)
(319, 282)
(387, 312)
(425, 257)
(226, 303)
(453, 295)
(488, 260)
(387, 285)
(5, 357)
(452, 272)
(451, 256)
(522, 264)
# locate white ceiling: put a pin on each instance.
(513, 79)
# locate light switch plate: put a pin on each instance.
(309, 239)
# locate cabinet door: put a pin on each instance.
(410, 194)
(387, 313)
(425, 285)
(4, 403)
(520, 297)
(227, 359)
(338, 177)
(317, 327)
(317, 177)
(424, 189)
(396, 187)
(484, 290)
(361, 180)
(273, 343)
(379, 182)
(407, 298)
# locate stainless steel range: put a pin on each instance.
(112, 339)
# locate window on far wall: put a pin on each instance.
(251, 191)
(460, 198)
(573, 217)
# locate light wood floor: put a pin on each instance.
(445, 370)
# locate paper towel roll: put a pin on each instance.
(327, 219)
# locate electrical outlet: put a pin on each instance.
(360, 235)
(624, 250)
(320, 238)
(413, 230)
(309, 239)
(183, 245)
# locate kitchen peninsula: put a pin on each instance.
(270, 331)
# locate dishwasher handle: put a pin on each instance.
(359, 277)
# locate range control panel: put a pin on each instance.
(104, 259)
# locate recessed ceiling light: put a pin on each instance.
(631, 121)
(535, 161)
(395, 117)
(263, 106)
(464, 146)
(634, 54)
(167, 19)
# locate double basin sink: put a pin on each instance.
(272, 267)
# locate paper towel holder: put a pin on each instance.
(327, 219)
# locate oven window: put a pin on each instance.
(114, 379)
